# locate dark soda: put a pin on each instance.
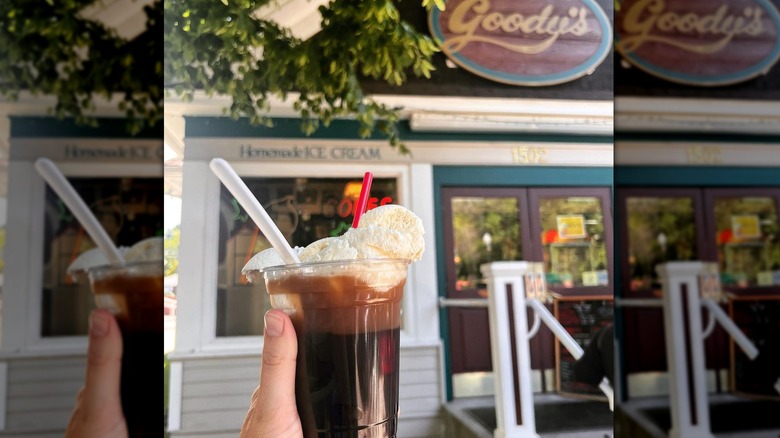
(136, 299)
(348, 331)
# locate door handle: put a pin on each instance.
(462, 302)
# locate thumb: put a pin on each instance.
(104, 363)
(273, 411)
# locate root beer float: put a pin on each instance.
(127, 282)
(133, 293)
(344, 299)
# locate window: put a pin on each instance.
(737, 228)
(305, 210)
(484, 230)
(746, 240)
(130, 209)
(660, 229)
(573, 241)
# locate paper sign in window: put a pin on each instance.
(746, 226)
(571, 226)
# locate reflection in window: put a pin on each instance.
(659, 230)
(485, 230)
(129, 209)
(747, 241)
(305, 210)
(573, 246)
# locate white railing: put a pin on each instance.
(687, 287)
(516, 419)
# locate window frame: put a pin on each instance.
(649, 192)
(604, 194)
(703, 205)
(209, 341)
(34, 340)
(709, 195)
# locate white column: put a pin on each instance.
(685, 350)
(498, 276)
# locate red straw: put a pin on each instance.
(362, 202)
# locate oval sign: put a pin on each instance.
(524, 42)
(699, 42)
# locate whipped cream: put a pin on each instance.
(146, 250)
(386, 232)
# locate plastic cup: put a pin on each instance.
(347, 317)
(134, 294)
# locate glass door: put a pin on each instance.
(737, 228)
(743, 231)
(481, 225)
(567, 228)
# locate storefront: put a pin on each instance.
(697, 178)
(308, 186)
(511, 155)
(45, 312)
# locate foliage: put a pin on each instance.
(47, 49)
(171, 251)
(472, 218)
(2, 247)
(224, 48)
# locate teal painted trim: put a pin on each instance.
(694, 137)
(621, 395)
(441, 274)
(348, 129)
(51, 127)
(473, 176)
(494, 176)
(691, 176)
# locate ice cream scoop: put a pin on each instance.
(89, 259)
(386, 232)
(146, 250)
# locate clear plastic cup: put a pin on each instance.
(134, 294)
(347, 317)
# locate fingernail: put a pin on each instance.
(98, 324)
(274, 324)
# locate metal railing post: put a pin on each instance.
(507, 313)
(689, 406)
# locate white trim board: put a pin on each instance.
(697, 115)
(696, 153)
(377, 152)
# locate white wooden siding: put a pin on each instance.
(216, 394)
(41, 393)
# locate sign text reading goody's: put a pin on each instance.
(539, 42)
(345, 153)
(723, 42)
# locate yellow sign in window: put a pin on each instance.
(746, 226)
(571, 226)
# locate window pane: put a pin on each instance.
(485, 230)
(659, 230)
(575, 253)
(305, 210)
(747, 241)
(130, 209)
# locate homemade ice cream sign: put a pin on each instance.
(699, 42)
(524, 42)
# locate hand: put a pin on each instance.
(273, 412)
(98, 411)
